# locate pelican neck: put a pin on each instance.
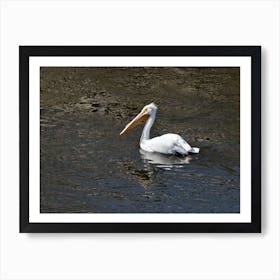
(147, 128)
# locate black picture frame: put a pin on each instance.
(25, 52)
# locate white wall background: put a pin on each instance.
(139, 256)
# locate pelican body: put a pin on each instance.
(171, 144)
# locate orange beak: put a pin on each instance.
(139, 118)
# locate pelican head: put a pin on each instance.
(146, 112)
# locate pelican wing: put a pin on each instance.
(166, 144)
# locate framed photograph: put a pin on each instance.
(140, 138)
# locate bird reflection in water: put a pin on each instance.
(153, 162)
(167, 162)
(143, 175)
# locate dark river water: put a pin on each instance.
(86, 167)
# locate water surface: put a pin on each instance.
(86, 167)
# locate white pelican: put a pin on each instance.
(172, 144)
